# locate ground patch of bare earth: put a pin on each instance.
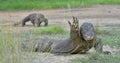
(98, 15)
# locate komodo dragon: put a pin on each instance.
(81, 40)
(88, 35)
(36, 20)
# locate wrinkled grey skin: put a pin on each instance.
(36, 20)
(55, 45)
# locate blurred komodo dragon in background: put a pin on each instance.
(81, 40)
(36, 20)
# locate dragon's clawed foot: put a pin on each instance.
(75, 25)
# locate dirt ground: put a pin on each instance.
(98, 15)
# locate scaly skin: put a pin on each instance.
(81, 40)
(36, 20)
(60, 45)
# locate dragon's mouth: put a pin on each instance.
(88, 36)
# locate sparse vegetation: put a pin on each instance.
(99, 31)
(10, 41)
(49, 4)
(112, 38)
(99, 59)
(9, 47)
(48, 30)
(113, 25)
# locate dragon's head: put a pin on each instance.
(87, 31)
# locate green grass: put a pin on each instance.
(111, 38)
(99, 59)
(49, 4)
(10, 43)
(100, 32)
(7, 46)
(48, 30)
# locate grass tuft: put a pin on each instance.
(48, 30)
(100, 32)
